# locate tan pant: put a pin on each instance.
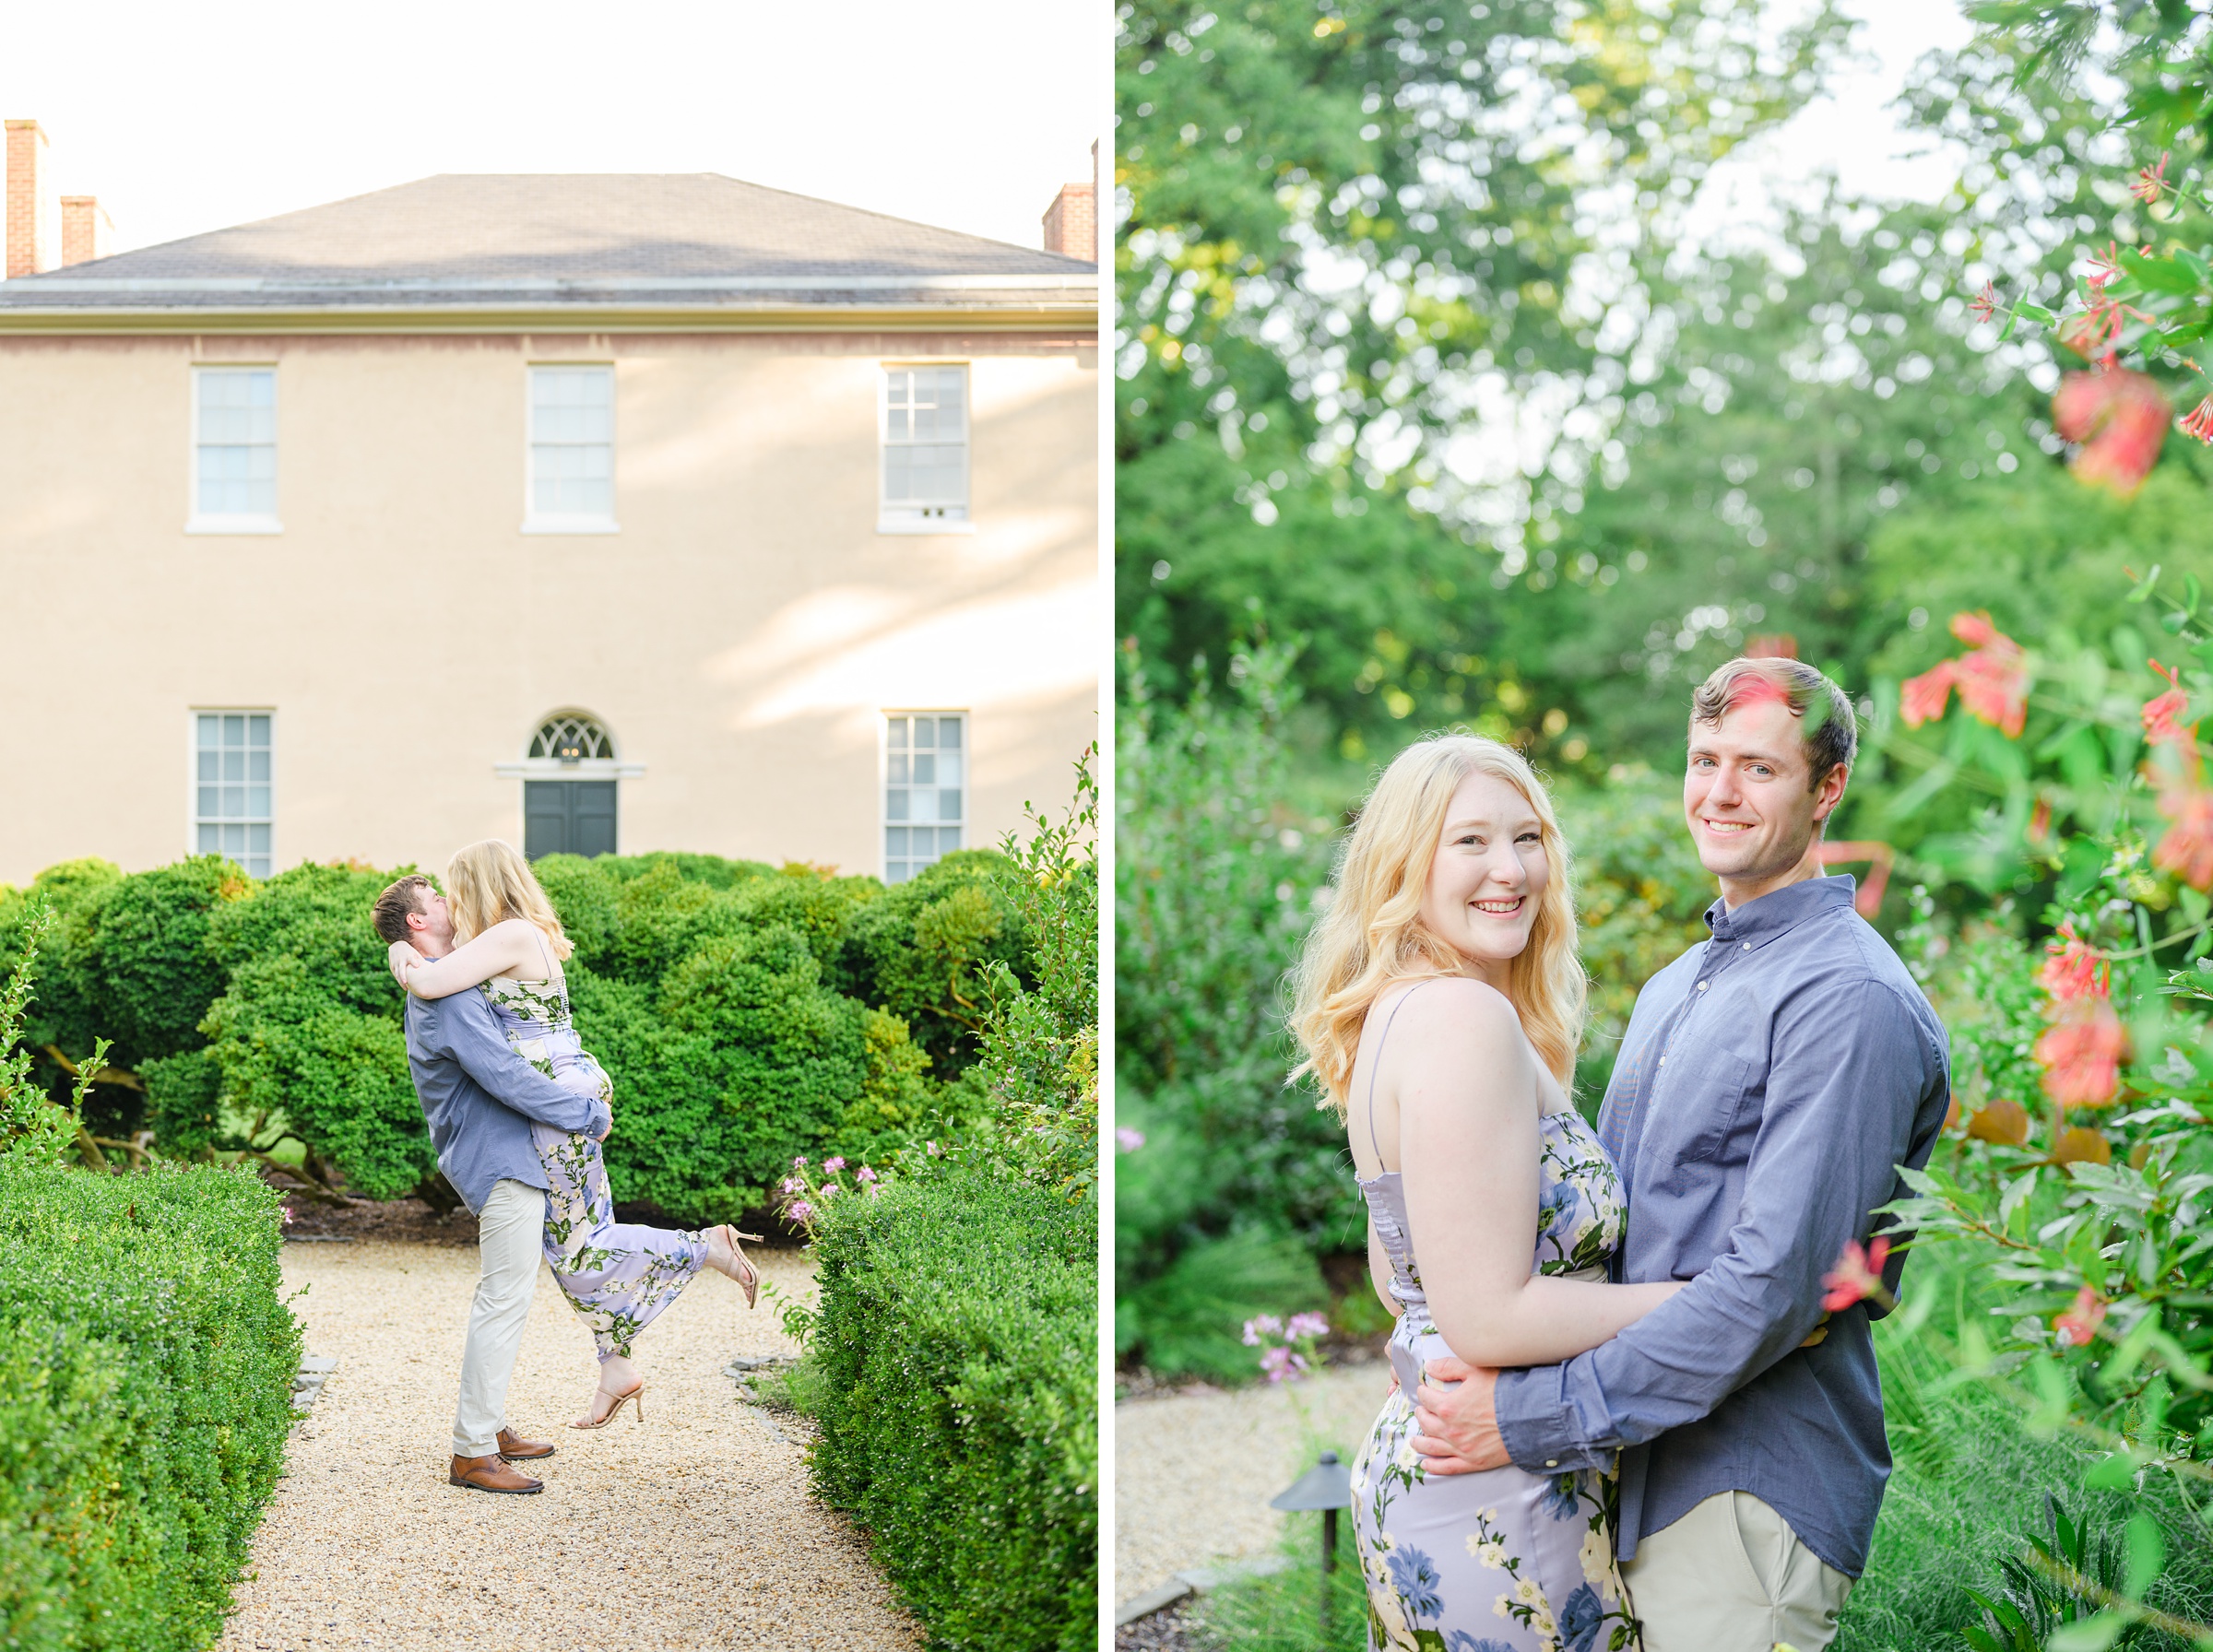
(1731, 1576)
(509, 1231)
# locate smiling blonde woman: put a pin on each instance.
(1439, 1002)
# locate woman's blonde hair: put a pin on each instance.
(1372, 935)
(490, 882)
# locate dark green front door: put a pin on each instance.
(568, 817)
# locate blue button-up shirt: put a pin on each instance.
(1771, 1082)
(479, 1097)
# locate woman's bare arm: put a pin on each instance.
(509, 945)
(1466, 1085)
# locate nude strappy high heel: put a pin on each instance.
(634, 1398)
(751, 1282)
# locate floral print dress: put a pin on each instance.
(1503, 1561)
(619, 1276)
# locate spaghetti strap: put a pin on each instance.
(1378, 1067)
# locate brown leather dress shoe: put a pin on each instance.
(516, 1449)
(491, 1474)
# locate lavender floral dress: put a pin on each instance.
(1502, 1561)
(618, 1276)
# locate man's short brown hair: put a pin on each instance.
(401, 900)
(1830, 732)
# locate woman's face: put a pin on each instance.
(1488, 873)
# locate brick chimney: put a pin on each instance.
(1072, 223)
(29, 218)
(85, 230)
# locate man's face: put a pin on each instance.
(430, 924)
(1744, 792)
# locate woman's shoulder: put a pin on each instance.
(1451, 1006)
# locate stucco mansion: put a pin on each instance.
(597, 512)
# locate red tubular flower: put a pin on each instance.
(2081, 1053)
(2079, 1324)
(1976, 631)
(1857, 1276)
(2119, 419)
(2161, 726)
(1922, 699)
(1984, 303)
(2074, 969)
(2151, 182)
(2187, 849)
(2199, 423)
(2040, 823)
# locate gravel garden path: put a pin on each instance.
(1194, 1470)
(692, 1531)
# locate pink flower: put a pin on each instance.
(2187, 849)
(831, 1190)
(1984, 303)
(1303, 1325)
(1282, 1365)
(2159, 714)
(1857, 1275)
(1261, 1324)
(2081, 1053)
(2073, 969)
(801, 1211)
(864, 1174)
(1922, 699)
(2118, 416)
(790, 1184)
(797, 1162)
(1128, 1140)
(2200, 421)
(2078, 1324)
(284, 1216)
(837, 1163)
(2151, 182)
(2039, 822)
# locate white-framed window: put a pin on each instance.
(233, 451)
(925, 789)
(233, 812)
(925, 440)
(570, 488)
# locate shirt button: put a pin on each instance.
(1552, 1462)
(1663, 1061)
(1748, 946)
(1701, 986)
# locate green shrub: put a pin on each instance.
(956, 1344)
(145, 1365)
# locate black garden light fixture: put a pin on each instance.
(1327, 1486)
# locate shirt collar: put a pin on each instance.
(1783, 910)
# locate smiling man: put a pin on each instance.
(1771, 1080)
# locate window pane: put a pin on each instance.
(894, 840)
(949, 804)
(949, 839)
(894, 804)
(207, 731)
(234, 765)
(234, 731)
(926, 764)
(257, 840)
(949, 768)
(949, 733)
(234, 801)
(257, 803)
(211, 764)
(257, 767)
(211, 840)
(234, 840)
(926, 731)
(898, 733)
(211, 801)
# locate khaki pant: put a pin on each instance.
(509, 1233)
(1731, 1576)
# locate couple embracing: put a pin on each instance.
(1642, 1429)
(517, 1109)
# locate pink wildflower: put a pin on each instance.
(1261, 1324)
(2117, 416)
(284, 1216)
(2075, 970)
(2081, 1053)
(2151, 182)
(1922, 699)
(1857, 1276)
(1128, 1140)
(2187, 849)
(2199, 423)
(1282, 1365)
(1984, 303)
(1306, 1325)
(864, 1174)
(2078, 1324)
(837, 1163)
(797, 1162)
(802, 1212)
(2160, 713)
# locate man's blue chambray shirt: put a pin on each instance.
(479, 1096)
(1770, 1081)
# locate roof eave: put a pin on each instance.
(1049, 315)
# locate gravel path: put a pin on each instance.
(1193, 1471)
(691, 1531)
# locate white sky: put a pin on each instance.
(1850, 131)
(965, 114)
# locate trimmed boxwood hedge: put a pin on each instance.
(146, 1367)
(956, 1383)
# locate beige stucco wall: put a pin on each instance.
(740, 636)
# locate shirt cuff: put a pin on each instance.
(1537, 1423)
(603, 1119)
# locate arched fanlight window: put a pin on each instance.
(572, 737)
